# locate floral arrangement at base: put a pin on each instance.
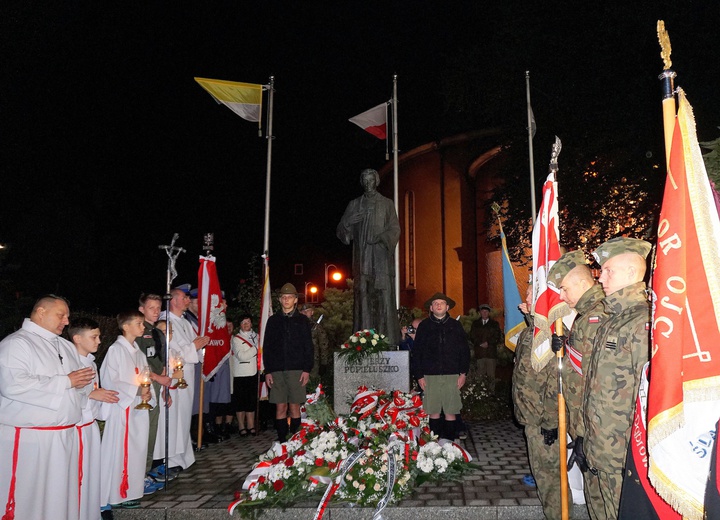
(373, 457)
(479, 403)
(362, 344)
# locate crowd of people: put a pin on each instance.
(55, 462)
(51, 392)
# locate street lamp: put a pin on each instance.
(311, 291)
(335, 275)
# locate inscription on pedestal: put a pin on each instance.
(387, 370)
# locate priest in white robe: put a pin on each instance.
(42, 393)
(183, 341)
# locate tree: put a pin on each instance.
(337, 310)
(712, 160)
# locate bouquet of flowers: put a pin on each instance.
(440, 460)
(362, 344)
(373, 457)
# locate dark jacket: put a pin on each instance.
(489, 333)
(440, 348)
(288, 343)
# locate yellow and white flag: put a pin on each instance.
(245, 99)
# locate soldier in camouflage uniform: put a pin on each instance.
(572, 277)
(612, 378)
(536, 408)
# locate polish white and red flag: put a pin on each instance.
(212, 320)
(546, 251)
(373, 121)
(684, 389)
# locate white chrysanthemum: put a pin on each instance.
(375, 336)
(441, 465)
(373, 342)
(354, 339)
(363, 340)
(426, 465)
(261, 495)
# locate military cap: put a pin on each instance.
(288, 288)
(620, 245)
(440, 296)
(564, 265)
(484, 306)
(193, 293)
(184, 288)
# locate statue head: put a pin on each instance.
(369, 180)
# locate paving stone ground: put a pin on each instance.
(494, 492)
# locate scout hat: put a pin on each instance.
(288, 288)
(620, 245)
(564, 265)
(440, 296)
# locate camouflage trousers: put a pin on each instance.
(602, 494)
(545, 467)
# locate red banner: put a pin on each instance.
(684, 394)
(213, 323)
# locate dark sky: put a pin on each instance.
(108, 146)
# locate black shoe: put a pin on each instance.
(208, 434)
(219, 432)
(106, 514)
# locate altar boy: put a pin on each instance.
(85, 335)
(123, 462)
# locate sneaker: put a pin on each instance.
(528, 480)
(130, 504)
(158, 474)
(151, 486)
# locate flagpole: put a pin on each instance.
(395, 188)
(266, 238)
(562, 425)
(562, 430)
(530, 145)
(270, 137)
(667, 78)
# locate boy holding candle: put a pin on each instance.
(125, 439)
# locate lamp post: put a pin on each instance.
(310, 289)
(336, 275)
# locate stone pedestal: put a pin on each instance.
(386, 370)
